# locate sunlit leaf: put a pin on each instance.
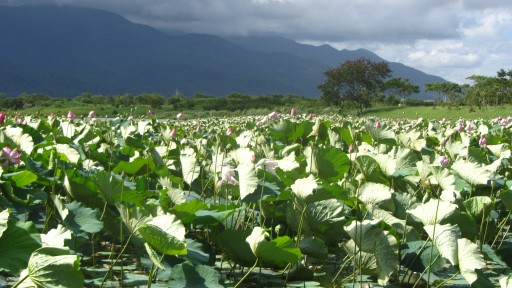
(55, 267)
(433, 212)
(470, 259)
(165, 234)
(472, 172)
(190, 167)
(445, 239)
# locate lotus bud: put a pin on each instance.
(351, 148)
(173, 132)
(92, 114)
(310, 117)
(443, 142)
(483, 142)
(150, 113)
(2, 117)
(459, 127)
(180, 116)
(229, 131)
(293, 112)
(469, 128)
(71, 115)
(444, 161)
(378, 124)
(130, 118)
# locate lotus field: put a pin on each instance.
(257, 201)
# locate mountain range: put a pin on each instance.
(63, 51)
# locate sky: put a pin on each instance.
(453, 39)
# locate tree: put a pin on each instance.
(154, 100)
(401, 87)
(355, 82)
(447, 91)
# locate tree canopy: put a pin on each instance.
(355, 82)
(401, 87)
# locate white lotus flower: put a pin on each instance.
(304, 187)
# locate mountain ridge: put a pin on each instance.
(66, 50)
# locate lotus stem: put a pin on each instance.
(247, 274)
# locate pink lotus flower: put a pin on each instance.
(150, 113)
(274, 115)
(483, 142)
(268, 165)
(469, 127)
(459, 127)
(310, 117)
(227, 174)
(180, 116)
(2, 117)
(8, 155)
(378, 124)
(444, 161)
(92, 114)
(293, 112)
(71, 115)
(229, 131)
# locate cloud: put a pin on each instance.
(451, 39)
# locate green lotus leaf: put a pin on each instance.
(479, 206)
(233, 243)
(471, 172)
(370, 238)
(67, 153)
(506, 281)
(4, 218)
(377, 195)
(186, 275)
(22, 178)
(81, 218)
(371, 169)
(417, 256)
(18, 241)
(433, 212)
(314, 247)
(165, 234)
(190, 167)
(381, 135)
(155, 258)
(279, 251)
(55, 267)
(367, 261)
(327, 163)
(456, 148)
(445, 239)
(470, 259)
(56, 237)
(20, 139)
